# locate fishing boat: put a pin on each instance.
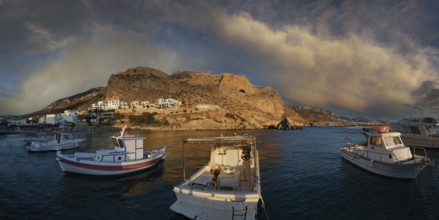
(60, 141)
(227, 187)
(126, 156)
(385, 154)
(418, 133)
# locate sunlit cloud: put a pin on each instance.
(87, 62)
(351, 72)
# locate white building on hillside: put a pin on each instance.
(114, 104)
(206, 107)
(69, 116)
(17, 122)
(169, 103)
(48, 119)
(135, 104)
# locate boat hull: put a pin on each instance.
(420, 141)
(196, 204)
(53, 146)
(90, 167)
(395, 170)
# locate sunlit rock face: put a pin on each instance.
(208, 101)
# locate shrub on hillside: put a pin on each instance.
(143, 119)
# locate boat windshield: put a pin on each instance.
(430, 130)
(116, 142)
(392, 141)
(375, 141)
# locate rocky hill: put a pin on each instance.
(241, 104)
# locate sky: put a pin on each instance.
(368, 58)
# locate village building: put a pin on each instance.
(17, 122)
(169, 103)
(202, 107)
(49, 119)
(69, 116)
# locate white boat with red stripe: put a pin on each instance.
(127, 156)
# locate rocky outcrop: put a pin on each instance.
(241, 104)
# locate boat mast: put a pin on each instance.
(184, 163)
(123, 131)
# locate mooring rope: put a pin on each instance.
(263, 206)
(411, 196)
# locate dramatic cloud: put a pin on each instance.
(359, 57)
(351, 72)
(87, 62)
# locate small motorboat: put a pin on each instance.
(60, 141)
(127, 156)
(385, 154)
(227, 187)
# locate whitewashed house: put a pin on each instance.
(114, 104)
(102, 105)
(169, 103)
(69, 116)
(124, 105)
(48, 119)
(206, 107)
(144, 104)
(135, 104)
(17, 122)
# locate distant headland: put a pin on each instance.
(147, 98)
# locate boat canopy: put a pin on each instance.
(221, 140)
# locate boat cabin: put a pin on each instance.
(387, 147)
(60, 137)
(232, 165)
(418, 128)
(126, 148)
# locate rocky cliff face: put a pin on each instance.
(241, 104)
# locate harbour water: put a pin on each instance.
(302, 175)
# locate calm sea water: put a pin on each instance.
(302, 174)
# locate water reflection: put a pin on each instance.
(142, 183)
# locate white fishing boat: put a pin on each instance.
(60, 141)
(127, 156)
(227, 187)
(385, 154)
(418, 133)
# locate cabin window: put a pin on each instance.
(376, 141)
(392, 141)
(119, 158)
(115, 143)
(121, 143)
(430, 130)
(415, 130)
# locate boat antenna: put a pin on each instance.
(123, 131)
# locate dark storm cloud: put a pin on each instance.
(428, 96)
